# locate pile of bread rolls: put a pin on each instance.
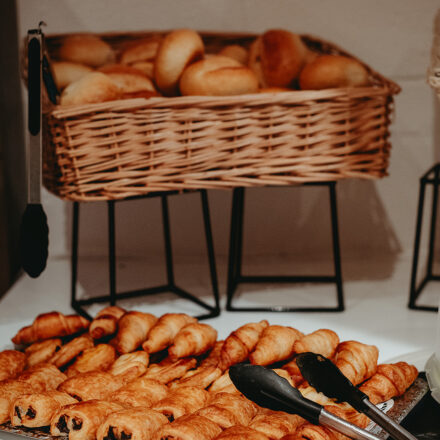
(88, 70)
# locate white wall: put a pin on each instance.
(377, 218)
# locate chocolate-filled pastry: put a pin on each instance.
(133, 329)
(172, 371)
(81, 420)
(202, 377)
(36, 410)
(92, 385)
(275, 344)
(12, 362)
(50, 325)
(193, 340)
(323, 341)
(184, 400)
(223, 384)
(213, 358)
(100, 357)
(130, 365)
(165, 330)
(10, 389)
(131, 424)
(240, 343)
(294, 372)
(40, 352)
(71, 350)
(190, 427)
(275, 424)
(239, 432)
(105, 322)
(390, 380)
(43, 377)
(141, 392)
(357, 361)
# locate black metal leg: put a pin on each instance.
(167, 241)
(429, 273)
(111, 251)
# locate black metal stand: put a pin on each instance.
(235, 276)
(113, 296)
(430, 177)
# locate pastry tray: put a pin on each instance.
(400, 411)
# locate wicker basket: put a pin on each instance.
(126, 148)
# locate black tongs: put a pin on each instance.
(322, 374)
(264, 387)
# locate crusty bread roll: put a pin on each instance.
(274, 89)
(86, 49)
(277, 57)
(146, 67)
(141, 50)
(236, 52)
(329, 71)
(66, 72)
(93, 87)
(218, 75)
(128, 79)
(178, 50)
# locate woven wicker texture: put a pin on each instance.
(132, 147)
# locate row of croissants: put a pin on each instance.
(88, 69)
(129, 375)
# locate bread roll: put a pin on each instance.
(236, 52)
(91, 88)
(329, 71)
(277, 57)
(86, 49)
(218, 75)
(128, 79)
(66, 72)
(141, 50)
(178, 50)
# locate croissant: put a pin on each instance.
(105, 322)
(12, 362)
(223, 384)
(130, 365)
(390, 380)
(202, 377)
(133, 329)
(275, 344)
(170, 372)
(356, 361)
(36, 410)
(81, 420)
(100, 357)
(314, 432)
(239, 432)
(132, 424)
(183, 400)
(71, 350)
(190, 427)
(165, 330)
(141, 392)
(240, 343)
(43, 377)
(294, 372)
(10, 389)
(43, 351)
(193, 340)
(213, 358)
(50, 325)
(323, 341)
(348, 413)
(275, 424)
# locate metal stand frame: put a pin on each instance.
(430, 177)
(235, 276)
(170, 286)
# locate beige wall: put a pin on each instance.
(376, 218)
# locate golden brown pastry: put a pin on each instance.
(144, 50)
(100, 357)
(42, 351)
(223, 384)
(50, 325)
(390, 380)
(190, 427)
(132, 424)
(66, 72)
(162, 335)
(10, 389)
(236, 52)
(133, 330)
(176, 52)
(36, 410)
(294, 372)
(183, 400)
(274, 89)
(240, 343)
(314, 432)
(213, 358)
(12, 362)
(81, 420)
(239, 432)
(172, 371)
(357, 361)
(347, 412)
(128, 79)
(141, 392)
(92, 385)
(71, 350)
(105, 322)
(275, 344)
(323, 342)
(329, 71)
(130, 365)
(86, 49)
(42, 377)
(202, 377)
(193, 340)
(275, 424)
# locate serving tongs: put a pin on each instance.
(264, 387)
(323, 375)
